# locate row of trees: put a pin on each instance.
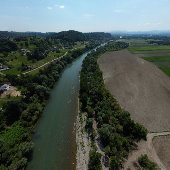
(18, 118)
(116, 129)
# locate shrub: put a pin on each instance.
(146, 164)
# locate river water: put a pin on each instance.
(54, 139)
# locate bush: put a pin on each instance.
(146, 164)
(115, 163)
(94, 160)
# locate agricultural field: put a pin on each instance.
(136, 42)
(137, 85)
(148, 48)
(162, 147)
(159, 55)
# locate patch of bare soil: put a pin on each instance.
(140, 88)
(162, 147)
(11, 92)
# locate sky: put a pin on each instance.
(84, 15)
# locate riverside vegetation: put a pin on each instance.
(117, 131)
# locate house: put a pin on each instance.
(25, 51)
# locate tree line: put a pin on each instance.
(116, 129)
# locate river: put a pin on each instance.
(54, 139)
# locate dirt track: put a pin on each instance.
(140, 88)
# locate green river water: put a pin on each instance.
(54, 139)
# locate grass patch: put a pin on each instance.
(51, 56)
(163, 62)
(15, 134)
(165, 69)
(157, 58)
(7, 99)
(137, 42)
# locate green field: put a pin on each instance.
(137, 42)
(149, 48)
(157, 58)
(162, 61)
(165, 69)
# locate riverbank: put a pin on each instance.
(83, 144)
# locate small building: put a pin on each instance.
(25, 51)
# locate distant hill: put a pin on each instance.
(68, 36)
(74, 36)
(98, 35)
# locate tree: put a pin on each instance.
(95, 160)
(146, 164)
(115, 163)
(12, 111)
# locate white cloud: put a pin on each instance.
(49, 8)
(158, 23)
(88, 15)
(60, 6)
(147, 23)
(118, 11)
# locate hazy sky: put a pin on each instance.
(84, 15)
